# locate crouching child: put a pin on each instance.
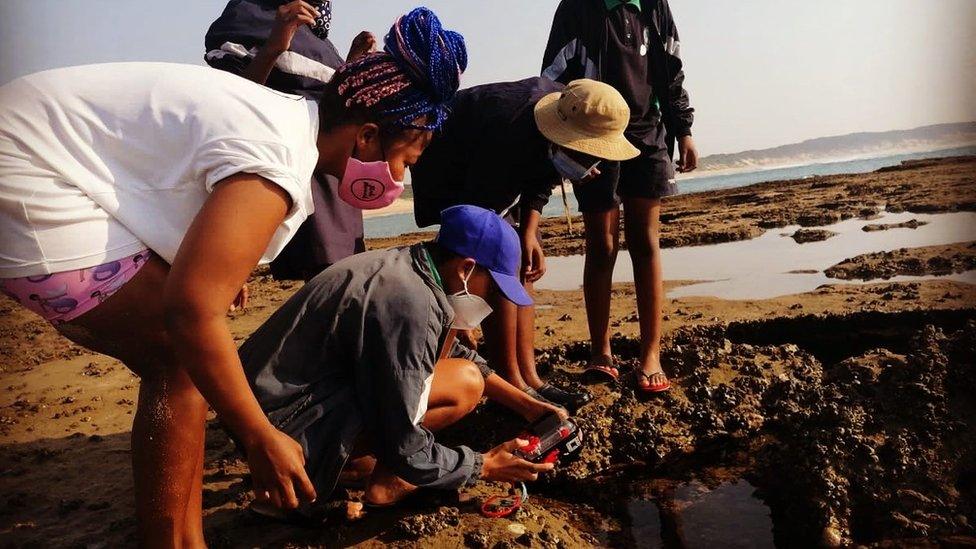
(361, 365)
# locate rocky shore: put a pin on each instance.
(928, 260)
(918, 186)
(849, 409)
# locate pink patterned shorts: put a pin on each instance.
(63, 297)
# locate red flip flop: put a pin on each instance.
(652, 387)
(603, 364)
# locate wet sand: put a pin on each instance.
(849, 407)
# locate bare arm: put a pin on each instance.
(520, 402)
(260, 67)
(290, 16)
(224, 243)
(533, 257)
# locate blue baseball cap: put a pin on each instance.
(482, 235)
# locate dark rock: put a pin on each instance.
(804, 236)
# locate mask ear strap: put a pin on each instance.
(465, 279)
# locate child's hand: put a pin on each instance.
(242, 299)
(502, 465)
(467, 339)
(533, 259)
(688, 154)
(539, 408)
(277, 465)
(290, 16)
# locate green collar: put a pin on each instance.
(614, 3)
(433, 268)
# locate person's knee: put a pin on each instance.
(601, 248)
(643, 241)
(641, 227)
(643, 246)
(472, 382)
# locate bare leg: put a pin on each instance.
(193, 525)
(168, 431)
(455, 391)
(642, 229)
(500, 330)
(602, 242)
(525, 343)
(167, 435)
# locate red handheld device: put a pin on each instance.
(551, 439)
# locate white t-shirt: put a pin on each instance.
(100, 161)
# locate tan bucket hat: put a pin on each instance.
(589, 117)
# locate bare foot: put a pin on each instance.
(385, 488)
(540, 408)
(357, 470)
(602, 364)
(653, 374)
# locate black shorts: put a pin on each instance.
(648, 175)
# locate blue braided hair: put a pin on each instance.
(408, 85)
(433, 58)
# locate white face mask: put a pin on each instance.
(569, 168)
(469, 309)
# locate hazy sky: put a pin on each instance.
(760, 72)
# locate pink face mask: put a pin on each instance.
(369, 185)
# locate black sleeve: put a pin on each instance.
(227, 61)
(562, 61)
(680, 115)
(536, 193)
(229, 38)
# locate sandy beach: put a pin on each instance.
(399, 206)
(846, 411)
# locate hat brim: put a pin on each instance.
(563, 134)
(511, 287)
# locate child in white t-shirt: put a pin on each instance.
(136, 198)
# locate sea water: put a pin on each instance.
(767, 266)
(693, 515)
(396, 224)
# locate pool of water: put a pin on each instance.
(692, 515)
(766, 266)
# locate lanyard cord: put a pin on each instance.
(569, 218)
(451, 333)
(433, 268)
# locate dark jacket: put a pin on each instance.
(353, 351)
(335, 229)
(235, 37)
(576, 50)
(489, 154)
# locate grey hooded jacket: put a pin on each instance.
(353, 352)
